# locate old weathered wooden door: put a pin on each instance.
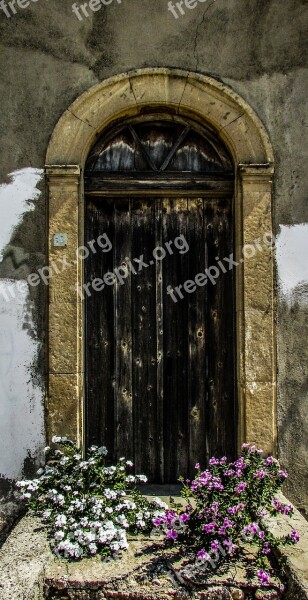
(159, 365)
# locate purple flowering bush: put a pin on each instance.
(225, 506)
(88, 506)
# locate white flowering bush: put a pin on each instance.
(89, 507)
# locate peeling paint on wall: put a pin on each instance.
(21, 401)
(292, 253)
(21, 398)
(16, 198)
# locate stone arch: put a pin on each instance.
(207, 101)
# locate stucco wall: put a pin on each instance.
(47, 58)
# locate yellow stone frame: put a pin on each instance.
(206, 101)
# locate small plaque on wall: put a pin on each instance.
(60, 240)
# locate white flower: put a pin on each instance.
(115, 546)
(110, 494)
(142, 478)
(22, 483)
(40, 472)
(121, 520)
(103, 450)
(84, 465)
(130, 479)
(70, 550)
(60, 520)
(92, 548)
(109, 470)
(140, 523)
(160, 503)
(46, 449)
(59, 535)
(56, 439)
(46, 514)
(109, 510)
(122, 459)
(129, 463)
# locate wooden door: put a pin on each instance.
(159, 372)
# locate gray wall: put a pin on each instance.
(48, 58)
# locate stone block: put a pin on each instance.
(64, 405)
(259, 346)
(261, 427)
(65, 331)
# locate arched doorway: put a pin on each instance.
(159, 346)
(207, 103)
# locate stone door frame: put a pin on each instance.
(212, 103)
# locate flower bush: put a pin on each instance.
(88, 506)
(225, 506)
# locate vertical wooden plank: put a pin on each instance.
(160, 343)
(197, 337)
(123, 331)
(175, 271)
(221, 406)
(100, 368)
(144, 344)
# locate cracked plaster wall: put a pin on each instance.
(48, 58)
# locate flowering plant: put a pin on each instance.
(88, 506)
(225, 506)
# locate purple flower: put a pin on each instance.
(184, 517)
(255, 449)
(269, 461)
(230, 472)
(203, 555)
(232, 510)
(215, 507)
(261, 535)
(215, 545)
(227, 523)
(209, 527)
(263, 577)
(266, 549)
(259, 474)
(230, 546)
(251, 528)
(213, 461)
(240, 487)
(245, 446)
(284, 509)
(157, 522)
(287, 509)
(197, 466)
(294, 536)
(223, 460)
(283, 474)
(171, 534)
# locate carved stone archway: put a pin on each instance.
(206, 101)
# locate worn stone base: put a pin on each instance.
(29, 571)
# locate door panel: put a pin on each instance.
(159, 373)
